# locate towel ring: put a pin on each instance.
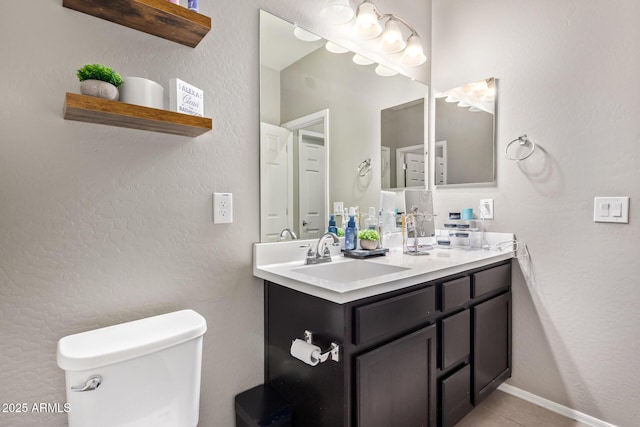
(522, 141)
(364, 168)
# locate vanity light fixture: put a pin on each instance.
(337, 11)
(368, 26)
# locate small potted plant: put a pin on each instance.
(368, 239)
(98, 80)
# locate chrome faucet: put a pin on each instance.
(322, 253)
(284, 232)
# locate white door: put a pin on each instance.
(311, 164)
(410, 166)
(441, 162)
(276, 181)
(415, 170)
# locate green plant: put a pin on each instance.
(340, 232)
(99, 72)
(368, 234)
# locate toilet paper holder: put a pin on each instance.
(333, 353)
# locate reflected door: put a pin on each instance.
(415, 170)
(276, 181)
(312, 155)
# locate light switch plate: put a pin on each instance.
(486, 208)
(611, 209)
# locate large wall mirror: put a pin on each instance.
(332, 130)
(464, 128)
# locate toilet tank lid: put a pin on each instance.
(113, 344)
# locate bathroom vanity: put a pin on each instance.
(419, 344)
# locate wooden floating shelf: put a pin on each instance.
(102, 111)
(158, 17)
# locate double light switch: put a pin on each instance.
(611, 209)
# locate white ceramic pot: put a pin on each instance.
(141, 91)
(99, 89)
(369, 244)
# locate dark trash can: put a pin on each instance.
(262, 407)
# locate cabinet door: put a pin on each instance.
(491, 345)
(396, 383)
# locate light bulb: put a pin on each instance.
(391, 40)
(367, 26)
(337, 11)
(413, 54)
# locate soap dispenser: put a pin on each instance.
(351, 233)
(332, 225)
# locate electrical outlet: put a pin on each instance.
(222, 208)
(486, 208)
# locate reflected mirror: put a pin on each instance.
(323, 116)
(464, 127)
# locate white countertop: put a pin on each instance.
(283, 263)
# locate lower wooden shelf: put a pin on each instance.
(90, 109)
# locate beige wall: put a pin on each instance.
(568, 77)
(101, 225)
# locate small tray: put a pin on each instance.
(363, 253)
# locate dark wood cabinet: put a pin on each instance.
(395, 383)
(420, 356)
(491, 345)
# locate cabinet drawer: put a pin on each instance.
(455, 293)
(455, 338)
(393, 315)
(456, 397)
(491, 280)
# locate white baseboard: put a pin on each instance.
(553, 406)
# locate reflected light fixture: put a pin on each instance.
(392, 41)
(361, 60)
(304, 35)
(383, 71)
(335, 48)
(337, 11)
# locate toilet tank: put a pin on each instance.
(148, 372)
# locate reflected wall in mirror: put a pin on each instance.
(403, 153)
(464, 127)
(301, 78)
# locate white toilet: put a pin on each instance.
(144, 373)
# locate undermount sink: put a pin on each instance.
(350, 271)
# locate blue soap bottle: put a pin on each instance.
(350, 238)
(332, 225)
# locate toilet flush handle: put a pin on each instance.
(93, 382)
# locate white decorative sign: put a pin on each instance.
(186, 99)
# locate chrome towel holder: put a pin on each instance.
(364, 168)
(522, 141)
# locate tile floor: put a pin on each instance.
(504, 410)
